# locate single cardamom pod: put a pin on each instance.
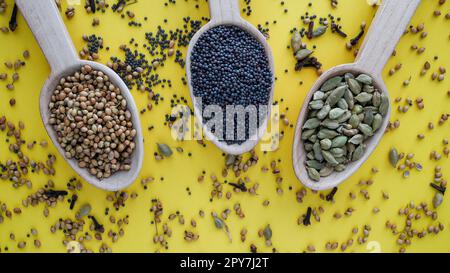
(365, 129)
(319, 31)
(438, 199)
(342, 103)
(325, 144)
(357, 139)
(336, 113)
(307, 134)
(313, 174)
(84, 210)
(376, 99)
(311, 123)
(384, 105)
(393, 157)
(314, 164)
(323, 112)
(303, 54)
(377, 121)
(330, 124)
(358, 153)
(317, 152)
(329, 158)
(316, 104)
(354, 121)
(267, 232)
(364, 78)
(331, 84)
(339, 142)
(164, 149)
(354, 86)
(363, 97)
(326, 171)
(347, 114)
(340, 168)
(326, 133)
(296, 41)
(318, 95)
(336, 95)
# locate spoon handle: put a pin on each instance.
(48, 28)
(224, 11)
(385, 31)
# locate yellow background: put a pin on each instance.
(181, 171)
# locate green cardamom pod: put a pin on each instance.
(336, 113)
(347, 114)
(307, 134)
(393, 157)
(339, 142)
(331, 84)
(325, 144)
(336, 95)
(303, 54)
(326, 171)
(354, 121)
(364, 78)
(384, 105)
(314, 164)
(324, 112)
(356, 139)
(342, 103)
(164, 150)
(296, 41)
(316, 104)
(326, 133)
(329, 158)
(354, 86)
(319, 31)
(358, 153)
(313, 174)
(377, 121)
(330, 124)
(365, 129)
(311, 123)
(363, 97)
(317, 152)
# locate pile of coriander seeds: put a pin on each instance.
(92, 123)
(343, 114)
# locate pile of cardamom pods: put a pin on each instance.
(346, 111)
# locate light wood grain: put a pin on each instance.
(226, 12)
(389, 23)
(47, 26)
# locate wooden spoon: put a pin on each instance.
(227, 12)
(387, 27)
(48, 28)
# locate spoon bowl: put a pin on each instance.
(48, 28)
(299, 153)
(226, 12)
(387, 27)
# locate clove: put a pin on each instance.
(73, 201)
(440, 189)
(307, 219)
(97, 226)
(55, 194)
(13, 20)
(358, 37)
(240, 186)
(330, 196)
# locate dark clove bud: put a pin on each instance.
(330, 196)
(307, 219)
